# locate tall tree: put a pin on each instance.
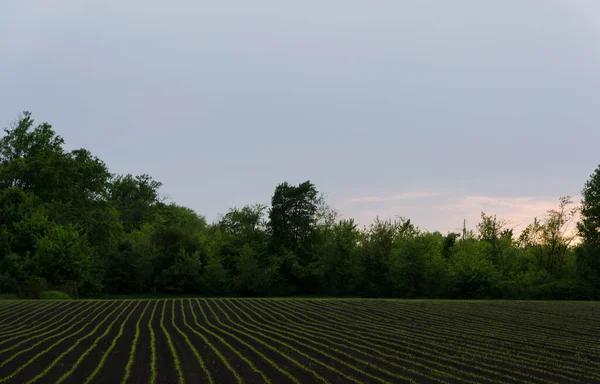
(498, 239)
(589, 226)
(33, 159)
(550, 240)
(134, 198)
(588, 254)
(292, 214)
(292, 220)
(338, 264)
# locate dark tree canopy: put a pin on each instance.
(589, 230)
(67, 223)
(292, 214)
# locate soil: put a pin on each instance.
(40, 363)
(112, 370)
(328, 332)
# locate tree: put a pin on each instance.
(292, 221)
(246, 224)
(588, 253)
(377, 243)
(498, 240)
(471, 274)
(550, 240)
(292, 214)
(67, 223)
(589, 226)
(338, 265)
(134, 197)
(33, 159)
(214, 277)
(30, 157)
(63, 256)
(183, 275)
(449, 242)
(254, 278)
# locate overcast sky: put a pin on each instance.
(434, 110)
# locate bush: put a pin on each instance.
(70, 288)
(566, 289)
(54, 295)
(7, 283)
(32, 288)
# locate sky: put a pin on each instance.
(431, 110)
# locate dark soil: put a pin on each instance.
(112, 371)
(69, 360)
(40, 363)
(502, 337)
(166, 372)
(140, 369)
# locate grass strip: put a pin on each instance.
(196, 353)
(418, 341)
(134, 346)
(15, 311)
(153, 372)
(27, 332)
(240, 355)
(295, 338)
(90, 348)
(329, 334)
(50, 335)
(112, 346)
(37, 313)
(176, 361)
(493, 350)
(506, 330)
(330, 331)
(270, 347)
(41, 353)
(305, 355)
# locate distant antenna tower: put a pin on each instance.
(464, 231)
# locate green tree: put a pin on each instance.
(498, 241)
(588, 253)
(135, 198)
(255, 278)
(377, 243)
(33, 159)
(215, 279)
(338, 265)
(62, 255)
(449, 242)
(292, 222)
(471, 274)
(184, 275)
(293, 214)
(549, 240)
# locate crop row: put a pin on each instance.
(298, 341)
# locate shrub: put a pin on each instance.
(566, 289)
(7, 283)
(70, 288)
(32, 288)
(54, 295)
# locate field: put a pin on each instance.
(298, 341)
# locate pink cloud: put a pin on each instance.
(448, 215)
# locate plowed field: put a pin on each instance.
(298, 341)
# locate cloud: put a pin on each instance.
(447, 213)
(389, 198)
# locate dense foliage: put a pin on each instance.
(68, 224)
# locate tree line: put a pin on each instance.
(68, 224)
